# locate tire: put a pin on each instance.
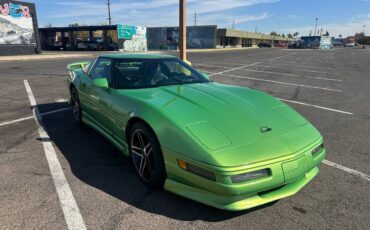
(147, 156)
(76, 106)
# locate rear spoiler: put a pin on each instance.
(77, 65)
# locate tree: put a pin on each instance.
(49, 25)
(360, 38)
(74, 24)
(273, 33)
(283, 35)
(290, 36)
(326, 33)
(295, 34)
(340, 36)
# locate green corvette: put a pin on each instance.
(225, 146)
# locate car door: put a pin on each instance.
(96, 101)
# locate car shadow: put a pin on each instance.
(96, 162)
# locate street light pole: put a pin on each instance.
(182, 42)
(363, 29)
(316, 26)
(109, 17)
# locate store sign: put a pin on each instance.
(15, 10)
(125, 31)
(129, 32)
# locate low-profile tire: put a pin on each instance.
(146, 155)
(76, 106)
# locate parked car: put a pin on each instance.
(226, 146)
(297, 45)
(350, 44)
(264, 45)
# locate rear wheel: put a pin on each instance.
(76, 106)
(147, 155)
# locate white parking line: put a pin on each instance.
(316, 106)
(16, 121)
(293, 75)
(283, 83)
(207, 65)
(31, 117)
(236, 68)
(302, 70)
(347, 170)
(55, 111)
(69, 206)
(271, 59)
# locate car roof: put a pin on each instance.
(137, 56)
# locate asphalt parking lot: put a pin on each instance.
(330, 88)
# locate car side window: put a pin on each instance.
(102, 69)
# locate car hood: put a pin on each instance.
(229, 121)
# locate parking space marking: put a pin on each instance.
(31, 117)
(55, 111)
(236, 68)
(283, 83)
(293, 75)
(271, 59)
(316, 106)
(347, 170)
(207, 65)
(69, 206)
(16, 121)
(303, 70)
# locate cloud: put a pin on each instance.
(154, 12)
(355, 25)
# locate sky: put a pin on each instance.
(338, 17)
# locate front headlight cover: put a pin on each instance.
(250, 176)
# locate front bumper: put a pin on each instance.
(288, 175)
(237, 203)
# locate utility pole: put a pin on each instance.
(109, 17)
(316, 26)
(233, 23)
(182, 19)
(195, 18)
(363, 29)
(255, 29)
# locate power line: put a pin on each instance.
(109, 17)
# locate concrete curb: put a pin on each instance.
(42, 56)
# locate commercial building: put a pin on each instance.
(18, 28)
(80, 38)
(105, 38)
(238, 38)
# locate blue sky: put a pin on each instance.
(283, 16)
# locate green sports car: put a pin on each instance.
(226, 146)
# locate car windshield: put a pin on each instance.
(146, 73)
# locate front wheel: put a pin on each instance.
(147, 155)
(76, 106)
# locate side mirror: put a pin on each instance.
(101, 83)
(204, 74)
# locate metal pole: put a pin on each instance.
(316, 26)
(109, 17)
(195, 19)
(182, 42)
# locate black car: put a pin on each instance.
(264, 45)
(297, 45)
